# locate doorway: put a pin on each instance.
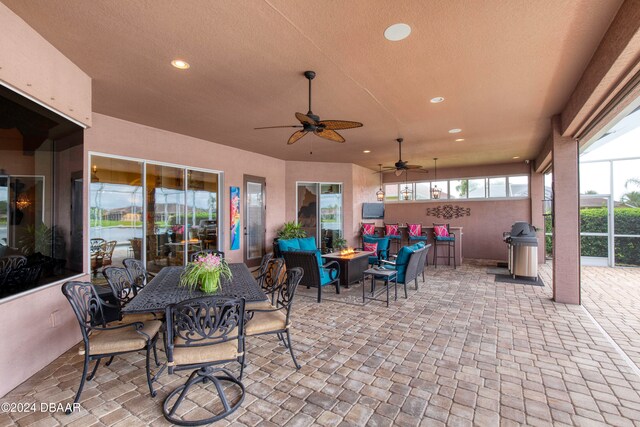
(255, 228)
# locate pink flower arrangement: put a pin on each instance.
(205, 272)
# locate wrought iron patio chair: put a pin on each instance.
(276, 319)
(202, 333)
(269, 280)
(124, 290)
(316, 274)
(102, 340)
(138, 274)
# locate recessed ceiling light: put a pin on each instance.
(397, 32)
(516, 157)
(456, 130)
(180, 64)
(437, 100)
(367, 151)
(459, 139)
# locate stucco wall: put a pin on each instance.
(119, 137)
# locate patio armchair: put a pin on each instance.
(123, 290)
(138, 274)
(367, 229)
(381, 251)
(270, 279)
(407, 265)
(316, 274)
(201, 334)
(9, 265)
(276, 318)
(102, 340)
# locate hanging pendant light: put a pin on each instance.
(435, 191)
(380, 192)
(406, 192)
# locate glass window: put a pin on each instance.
(595, 178)
(115, 226)
(40, 201)
(423, 190)
(202, 210)
(391, 192)
(443, 187)
(459, 188)
(166, 213)
(518, 186)
(498, 187)
(330, 214)
(477, 188)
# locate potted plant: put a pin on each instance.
(339, 243)
(291, 230)
(205, 272)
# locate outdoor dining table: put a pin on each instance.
(164, 290)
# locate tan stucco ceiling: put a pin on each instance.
(504, 67)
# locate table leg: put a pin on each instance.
(386, 282)
(363, 286)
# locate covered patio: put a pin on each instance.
(142, 141)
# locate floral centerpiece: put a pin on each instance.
(205, 272)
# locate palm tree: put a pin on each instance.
(631, 198)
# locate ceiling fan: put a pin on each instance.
(311, 123)
(401, 166)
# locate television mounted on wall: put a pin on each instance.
(373, 211)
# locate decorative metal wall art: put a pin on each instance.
(448, 211)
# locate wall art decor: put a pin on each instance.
(235, 218)
(448, 211)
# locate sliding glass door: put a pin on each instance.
(320, 211)
(159, 214)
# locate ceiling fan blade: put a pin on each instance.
(303, 118)
(339, 124)
(329, 134)
(296, 136)
(412, 167)
(275, 127)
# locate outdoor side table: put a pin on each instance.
(378, 273)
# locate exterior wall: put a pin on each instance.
(39, 326)
(482, 230)
(119, 137)
(365, 184)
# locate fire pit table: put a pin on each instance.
(352, 265)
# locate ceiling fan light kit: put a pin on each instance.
(311, 122)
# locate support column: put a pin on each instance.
(566, 230)
(536, 181)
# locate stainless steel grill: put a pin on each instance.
(522, 244)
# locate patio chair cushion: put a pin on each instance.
(440, 231)
(258, 305)
(120, 340)
(289, 245)
(402, 260)
(308, 244)
(370, 247)
(140, 317)
(266, 321)
(449, 238)
(382, 250)
(392, 230)
(213, 352)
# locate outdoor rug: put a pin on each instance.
(498, 270)
(506, 278)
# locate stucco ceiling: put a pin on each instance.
(504, 67)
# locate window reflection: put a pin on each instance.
(115, 213)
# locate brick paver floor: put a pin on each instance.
(612, 296)
(462, 350)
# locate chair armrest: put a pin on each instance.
(334, 267)
(384, 261)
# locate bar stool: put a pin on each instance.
(367, 229)
(416, 234)
(392, 231)
(442, 237)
